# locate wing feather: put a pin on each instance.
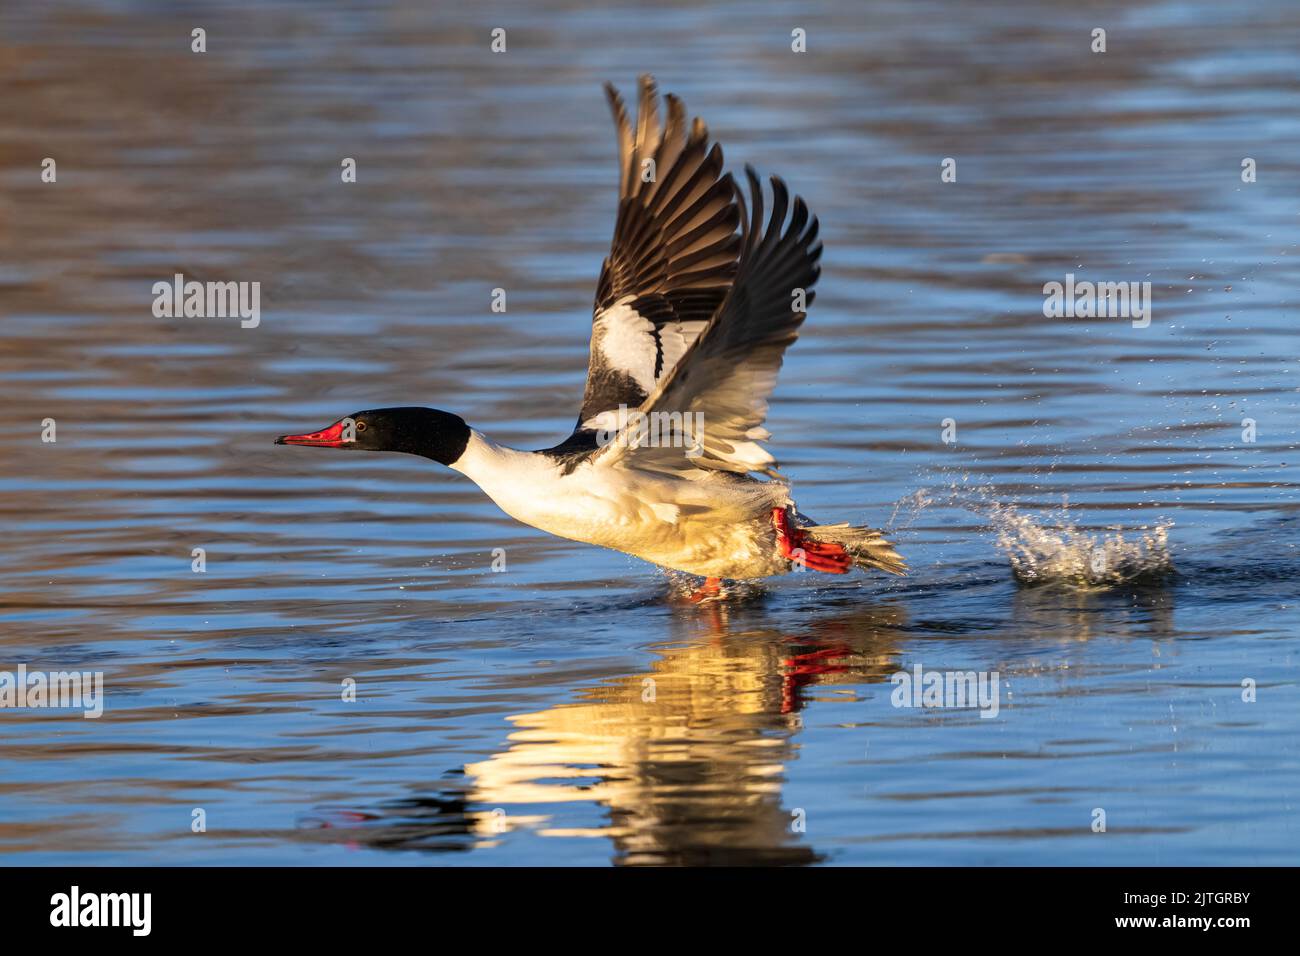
(673, 256)
(721, 384)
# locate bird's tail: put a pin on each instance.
(866, 546)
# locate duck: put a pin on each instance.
(695, 306)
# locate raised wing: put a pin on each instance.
(672, 260)
(719, 390)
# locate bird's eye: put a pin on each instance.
(361, 426)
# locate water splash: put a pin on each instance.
(910, 505)
(683, 587)
(1051, 549)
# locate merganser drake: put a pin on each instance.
(690, 325)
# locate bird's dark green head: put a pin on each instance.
(427, 432)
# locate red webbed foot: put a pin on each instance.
(801, 548)
(712, 587)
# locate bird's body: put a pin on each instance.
(717, 525)
(695, 306)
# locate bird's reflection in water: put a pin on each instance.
(688, 758)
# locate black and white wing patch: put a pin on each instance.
(720, 387)
(673, 258)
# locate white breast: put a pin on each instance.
(702, 527)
